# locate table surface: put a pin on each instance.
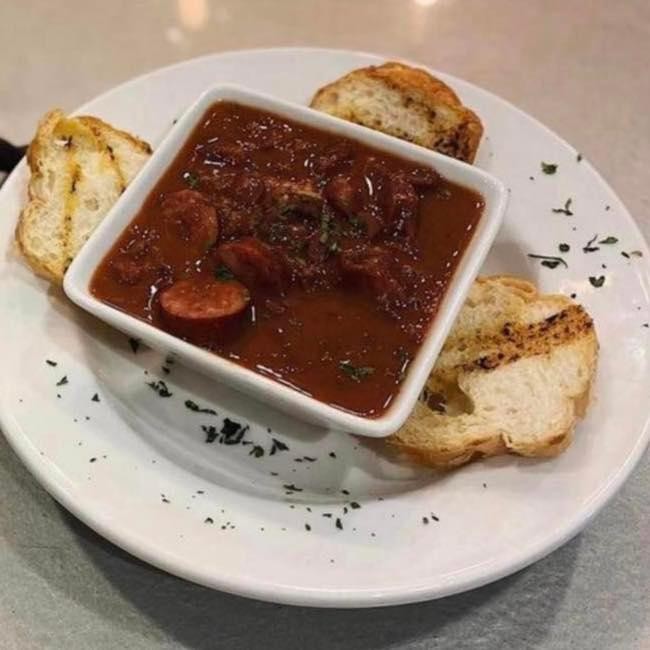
(581, 67)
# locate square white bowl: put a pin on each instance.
(79, 275)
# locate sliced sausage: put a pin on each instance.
(254, 263)
(351, 197)
(139, 256)
(345, 194)
(203, 309)
(188, 216)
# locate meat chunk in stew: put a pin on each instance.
(188, 216)
(254, 263)
(203, 309)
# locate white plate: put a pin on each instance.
(242, 532)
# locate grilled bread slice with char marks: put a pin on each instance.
(79, 167)
(405, 102)
(514, 377)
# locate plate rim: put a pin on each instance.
(479, 575)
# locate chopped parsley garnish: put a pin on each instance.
(135, 345)
(589, 247)
(63, 381)
(346, 492)
(191, 179)
(307, 527)
(339, 523)
(549, 261)
(277, 446)
(51, 363)
(208, 520)
(630, 254)
(356, 373)
(292, 488)
(425, 520)
(232, 433)
(257, 451)
(223, 273)
(193, 406)
(354, 505)
(566, 209)
(437, 518)
(564, 248)
(332, 454)
(549, 168)
(160, 387)
(597, 281)
(609, 240)
(211, 433)
(95, 398)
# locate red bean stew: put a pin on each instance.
(307, 257)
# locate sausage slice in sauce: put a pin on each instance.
(188, 216)
(202, 310)
(254, 263)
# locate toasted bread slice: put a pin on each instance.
(405, 102)
(79, 167)
(129, 152)
(514, 376)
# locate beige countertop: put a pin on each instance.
(581, 67)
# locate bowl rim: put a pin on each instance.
(79, 274)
